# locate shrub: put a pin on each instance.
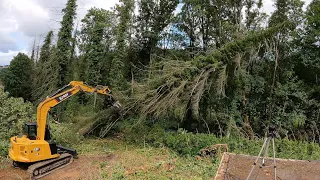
(13, 113)
(65, 135)
(4, 146)
(186, 143)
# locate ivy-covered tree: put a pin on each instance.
(120, 64)
(64, 43)
(96, 36)
(309, 66)
(18, 78)
(153, 17)
(45, 49)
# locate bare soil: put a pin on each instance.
(237, 167)
(84, 167)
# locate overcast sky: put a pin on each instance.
(21, 21)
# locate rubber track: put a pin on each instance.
(43, 165)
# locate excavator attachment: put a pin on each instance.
(114, 103)
(117, 105)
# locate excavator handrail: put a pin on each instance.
(59, 90)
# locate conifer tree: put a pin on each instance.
(45, 71)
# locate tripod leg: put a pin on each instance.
(266, 151)
(255, 162)
(274, 160)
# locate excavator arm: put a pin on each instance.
(61, 95)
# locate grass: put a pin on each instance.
(4, 162)
(135, 162)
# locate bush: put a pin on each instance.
(13, 113)
(4, 146)
(65, 135)
(186, 143)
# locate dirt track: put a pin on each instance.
(237, 167)
(85, 167)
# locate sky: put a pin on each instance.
(23, 21)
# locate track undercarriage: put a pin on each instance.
(44, 168)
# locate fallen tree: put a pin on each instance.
(179, 89)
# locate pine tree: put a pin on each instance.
(43, 78)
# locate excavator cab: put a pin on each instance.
(30, 130)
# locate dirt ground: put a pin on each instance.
(113, 159)
(237, 167)
(84, 167)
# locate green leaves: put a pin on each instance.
(13, 113)
(64, 44)
(96, 36)
(18, 79)
(153, 17)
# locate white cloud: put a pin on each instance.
(24, 20)
(7, 43)
(269, 8)
(5, 58)
(23, 16)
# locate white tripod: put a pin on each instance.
(265, 147)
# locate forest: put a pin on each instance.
(214, 70)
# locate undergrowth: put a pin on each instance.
(185, 143)
(130, 161)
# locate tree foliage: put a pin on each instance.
(13, 113)
(64, 43)
(221, 67)
(18, 78)
(153, 17)
(96, 36)
(118, 70)
(45, 70)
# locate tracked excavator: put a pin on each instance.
(35, 147)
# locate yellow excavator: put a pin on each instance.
(35, 145)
